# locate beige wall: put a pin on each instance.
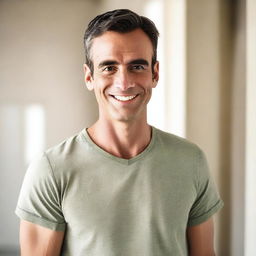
(42, 57)
(238, 118)
(221, 111)
(209, 90)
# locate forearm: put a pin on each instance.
(39, 241)
(200, 239)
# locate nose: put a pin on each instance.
(123, 80)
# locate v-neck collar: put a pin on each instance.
(119, 159)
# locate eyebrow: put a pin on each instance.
(113, 62)
(139, 61)
(107, 63)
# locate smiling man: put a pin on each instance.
(121, 186)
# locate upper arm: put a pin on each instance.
(37, 240)
(200, 239)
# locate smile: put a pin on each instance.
(124, 98)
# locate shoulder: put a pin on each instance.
(58, 158)
(181, 153)
(176, 144)
(67, 146)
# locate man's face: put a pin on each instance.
(122, 79)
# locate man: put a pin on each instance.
(120, 187)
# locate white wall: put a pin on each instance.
(250, 146)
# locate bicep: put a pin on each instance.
(37, 240)
(200, 239)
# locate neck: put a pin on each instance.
(124, 140)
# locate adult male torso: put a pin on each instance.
(112, 206)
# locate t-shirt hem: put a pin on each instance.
(206, 216)
(22, 214)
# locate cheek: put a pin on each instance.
(102, 82)
(147, 79)
(100, 89)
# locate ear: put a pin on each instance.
(88, 77)
(156, 74)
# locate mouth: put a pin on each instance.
(124, 98)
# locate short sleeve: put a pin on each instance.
(207, 200)
(39, 200)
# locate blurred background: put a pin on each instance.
(206, 93)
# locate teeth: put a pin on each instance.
(124, 98)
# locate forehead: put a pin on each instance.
(121, 46)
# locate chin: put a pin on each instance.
(126, 118)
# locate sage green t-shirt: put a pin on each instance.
(109, 206)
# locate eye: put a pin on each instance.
(137, 67)
(109, 69)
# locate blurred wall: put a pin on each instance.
(221, 107)
(41, 61)
(209, 88)
(238, 133)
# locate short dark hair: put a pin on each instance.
(122, 21)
